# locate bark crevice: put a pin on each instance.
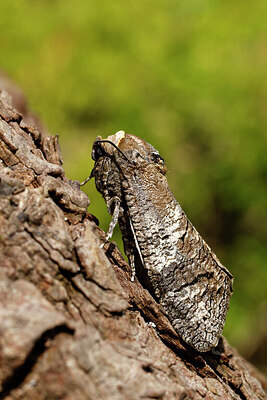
(19, 375)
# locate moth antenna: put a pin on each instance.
(116, 147)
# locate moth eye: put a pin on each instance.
(157, 159)
(98, 152)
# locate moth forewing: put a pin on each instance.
(185, 276)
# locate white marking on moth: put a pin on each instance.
(119, 136)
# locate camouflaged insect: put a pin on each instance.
(169, 255)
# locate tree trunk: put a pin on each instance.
(73, 325)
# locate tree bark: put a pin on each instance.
(73, 325)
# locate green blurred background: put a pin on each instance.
(188, 77)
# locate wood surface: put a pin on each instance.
(72, 324)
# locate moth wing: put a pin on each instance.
(195, 292)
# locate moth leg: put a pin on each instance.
(114, 219)
(131, 256)
(85, 181)
(88, 179)
(132, 265)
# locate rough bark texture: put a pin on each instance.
(73, 325)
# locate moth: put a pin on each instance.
(164, 249)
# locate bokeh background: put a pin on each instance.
(189, 77)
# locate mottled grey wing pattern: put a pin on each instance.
(185, 276)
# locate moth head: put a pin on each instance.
(107, 147)
(130, 149)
